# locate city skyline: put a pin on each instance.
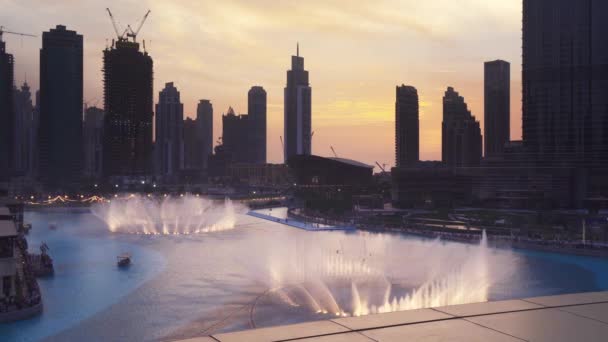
(213, 59)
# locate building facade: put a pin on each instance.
(461, 135)
(204, 121)
(406, 126)
(93, 142)
(565, 80)
(128, 102)
(60, 132)
(497, 107)
(235, 137)
(256, 100)
(24, 125)
(297, 106)
(169, 144)
(7, 114)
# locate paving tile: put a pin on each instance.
(550, 325)
(455, 330)
(345, 337)
(487, 308)
(594, 311)
(283, 332)
(392, 318)
(571, 299)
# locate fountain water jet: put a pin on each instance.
(169, 216)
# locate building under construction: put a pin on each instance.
(128, 106)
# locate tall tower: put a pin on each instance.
(7, 115)
(565, 80)
(93, 142)
(169, 144)
(24, 114)
(497, 106)
(297, 121)
(204, 121)
(257, 121)
(60, 131)
(461, 135)
(406, 126)
(128, 102)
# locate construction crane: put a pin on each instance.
(128, 32)
(2, 31)
(334, 151)
(381, 167)
(133, 34)
(282, 144)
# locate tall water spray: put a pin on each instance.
(168, 216)
(359, 274)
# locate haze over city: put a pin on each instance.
(356, 55)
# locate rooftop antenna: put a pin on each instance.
(334, 151)
(298, 49)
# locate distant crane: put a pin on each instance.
(2, 31)
(128, 32)
(334, 151)
(282, 144)
(383, 168)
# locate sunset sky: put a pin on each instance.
(356, 53)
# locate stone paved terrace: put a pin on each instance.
(574, 317)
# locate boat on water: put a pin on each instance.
(123, 260)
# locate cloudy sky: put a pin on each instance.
(356, 53)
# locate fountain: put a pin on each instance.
(168, 216)
(360, 274)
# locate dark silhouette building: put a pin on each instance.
(406, 126)
(235, 136)
(204, 137)
(257, 119)
(297, 121)
(461, 135)
(128, 111)
(169, 144)
(497, 107)
(93, 142)
(7, 114)
(192, 148)
(565, 80)
(60, 131)
(24, 129)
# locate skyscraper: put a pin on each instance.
(497, 106)
(297, 121)
(60, 131)
(235, 136)
(565, 79)
(257, 120)
(461, 135)
(7, 115)
(204, 121)
(406, 126)
(93, 142)
(192, 148)
(24, 120)
(169, 144)
(128, 111)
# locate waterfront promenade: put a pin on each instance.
(572, 317)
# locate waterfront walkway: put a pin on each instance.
(574, 317)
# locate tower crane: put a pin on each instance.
(128, 32)
(334, 151)
(2, 31)
(381, 167)
(133, 34)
